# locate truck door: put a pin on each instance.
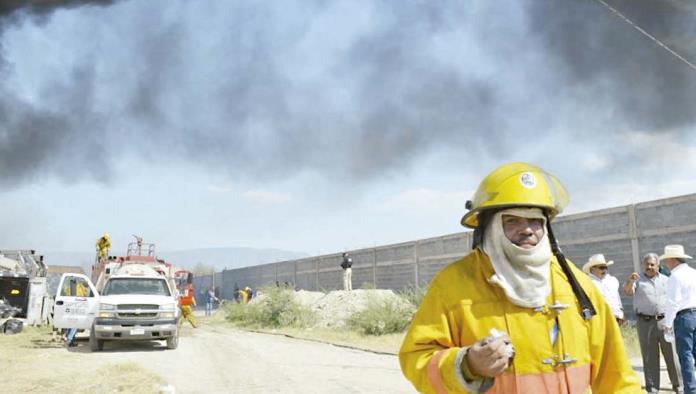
(76, 302)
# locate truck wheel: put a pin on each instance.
(95, 344)
(173, 341)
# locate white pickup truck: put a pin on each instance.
(136, 303)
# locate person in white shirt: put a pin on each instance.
(597, 267)
(680, 316)
(649, 292)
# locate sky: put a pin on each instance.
(322, 126)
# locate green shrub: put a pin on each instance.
(413, 294)
(368, 286)
(381, 317)
(275, 308)
(242, 314)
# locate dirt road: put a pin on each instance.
(216, 359)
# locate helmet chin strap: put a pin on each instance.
(587, 310)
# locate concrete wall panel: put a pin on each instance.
(670, 213)
(285, 269)
(428, 270)
(607, 223)
(431, 247)
(306, 281)
(459, 244)
(656, 243)
(362, 278)
(330, 280)
(306, 265)
(330, 262)
(395, 252)
(395, 276)
(361, 258)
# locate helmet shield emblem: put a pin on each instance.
(528, 180)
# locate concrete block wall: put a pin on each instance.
(623, 234)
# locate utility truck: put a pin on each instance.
(23, 286)
(129, 298)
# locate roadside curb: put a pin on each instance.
(320, 341)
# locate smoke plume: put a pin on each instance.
(267, 91)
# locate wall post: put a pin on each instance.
(633, 235)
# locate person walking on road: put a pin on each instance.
(347, 265)
(187, 314)
(680, 316)
(598, 270)
(649, 291)
(514, 316)
(186, 303)
(209, 301)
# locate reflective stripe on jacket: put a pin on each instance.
(461, 308)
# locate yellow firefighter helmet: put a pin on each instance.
(515, 185)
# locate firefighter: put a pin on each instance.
(103, 246)
(75, 288)
(186, 301)
(82, 289)
(244, 294)
(514, 316)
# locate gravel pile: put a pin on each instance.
(307, 298)
(335, 307)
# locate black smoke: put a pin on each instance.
(34, 140)
(45, 7)
(481, 78)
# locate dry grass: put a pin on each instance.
(629, 333)
(126, 377)
(388, 343)
(33, 362)
(378, 327)
(218, 318)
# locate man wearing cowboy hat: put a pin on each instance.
(649, 292)
(597, 267)
(680, 318)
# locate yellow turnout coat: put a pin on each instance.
(461, 308)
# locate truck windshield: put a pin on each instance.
(116, 286)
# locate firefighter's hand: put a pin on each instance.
(488, 357)
(634, 277)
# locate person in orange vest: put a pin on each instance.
(514, 316)
(186, 301)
